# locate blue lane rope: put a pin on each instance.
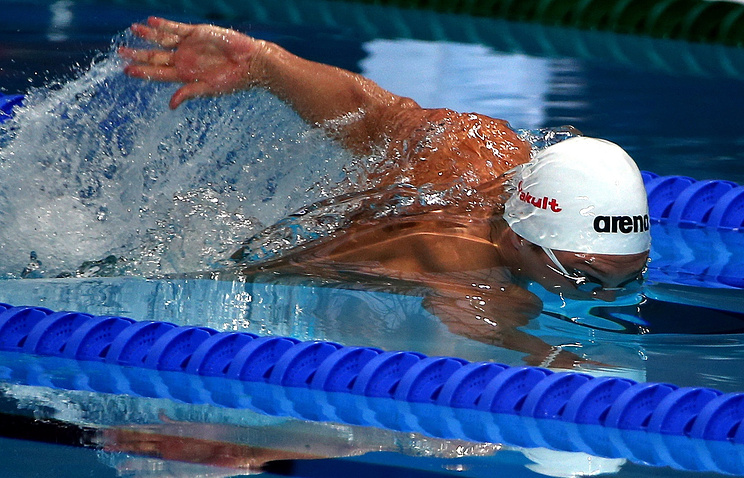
(564, 398)
(531, 392)
(689, 203)
(646, 448)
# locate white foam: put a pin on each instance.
(99, 165)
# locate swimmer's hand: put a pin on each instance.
(208, 60)
(494, 316)
(214, 61)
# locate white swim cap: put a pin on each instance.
(581, 195)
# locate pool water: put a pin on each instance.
(674, 106)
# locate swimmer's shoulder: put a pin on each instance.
(455, 144)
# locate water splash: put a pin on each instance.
(100, 166)
(541, 138)
(98, 176)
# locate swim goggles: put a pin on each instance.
(586, 283)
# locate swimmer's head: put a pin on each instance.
(581, 195)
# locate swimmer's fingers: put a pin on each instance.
(149, 57)
(156, 73)
(165, 33)
(190, 91)
(171, 27)
(156, 35)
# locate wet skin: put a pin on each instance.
(469, 263)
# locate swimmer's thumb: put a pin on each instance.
(188, 92)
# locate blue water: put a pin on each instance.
(674, 106)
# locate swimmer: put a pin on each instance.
(576, 221)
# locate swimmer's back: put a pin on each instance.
(438, 148)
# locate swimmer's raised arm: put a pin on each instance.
(213, 61)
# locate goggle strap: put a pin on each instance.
(551, 256)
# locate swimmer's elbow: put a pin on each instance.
(380, 121)
(528, 304)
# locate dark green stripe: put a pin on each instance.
(691, 20)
